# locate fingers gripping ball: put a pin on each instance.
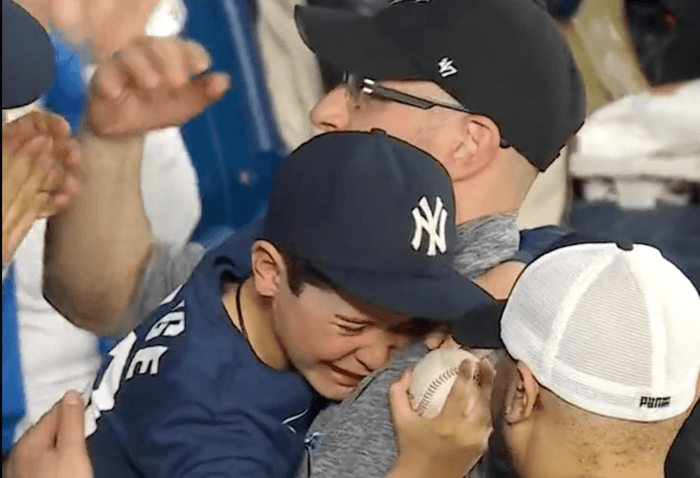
(433, 377)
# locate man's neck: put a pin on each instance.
(578, 472)
(474, 200)
(484, 243)
(552, 457)
(257, 323)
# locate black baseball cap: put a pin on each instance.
(376, 216)
(27, 57)
(504, 59)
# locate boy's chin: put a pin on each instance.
(330, 388)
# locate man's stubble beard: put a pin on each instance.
(500, 460)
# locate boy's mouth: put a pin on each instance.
(346, 378)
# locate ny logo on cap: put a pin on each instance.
(446, 67)
(433, 223)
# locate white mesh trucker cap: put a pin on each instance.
(611, 329)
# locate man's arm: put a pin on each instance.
(96, 252)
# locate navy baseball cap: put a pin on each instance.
(376, 216)
(504, 59)
(27, 57)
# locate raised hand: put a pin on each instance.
(105, 26)
(451, 443)
(40, 173)
(154, 83)
(55, 446)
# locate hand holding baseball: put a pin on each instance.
(40, 173)
(432, 379)
(449, 444)
(154, 83)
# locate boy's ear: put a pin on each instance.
(267, 268)
(523, 396)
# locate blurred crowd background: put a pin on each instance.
(632, 172)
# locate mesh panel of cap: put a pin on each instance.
(609, 332)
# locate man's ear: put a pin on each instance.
(267, 268)
(479, 147)
(523, 396)
(697, 389)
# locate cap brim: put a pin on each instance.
(447, 298)
(481, 327)
(27, 57)
(352, 42)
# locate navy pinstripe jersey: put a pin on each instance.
(183, 395)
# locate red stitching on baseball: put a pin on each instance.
(432, 388)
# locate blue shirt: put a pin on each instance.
(12, 389)
(68, 93)
(234, 144)
(184, 395)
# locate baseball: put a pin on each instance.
(433, 377)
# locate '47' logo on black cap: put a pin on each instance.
(433, 223)
(446, 67)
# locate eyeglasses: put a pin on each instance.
(357, 85)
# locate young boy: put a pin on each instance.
(225, 377)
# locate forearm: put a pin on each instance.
(398, 472)
(96, 250)
(418, 469)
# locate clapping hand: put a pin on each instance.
(40, 173)
(105, 26)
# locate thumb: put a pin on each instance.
(68, 16)
(42, 435)
(401, 408)
(460, 398)
(71, 431)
